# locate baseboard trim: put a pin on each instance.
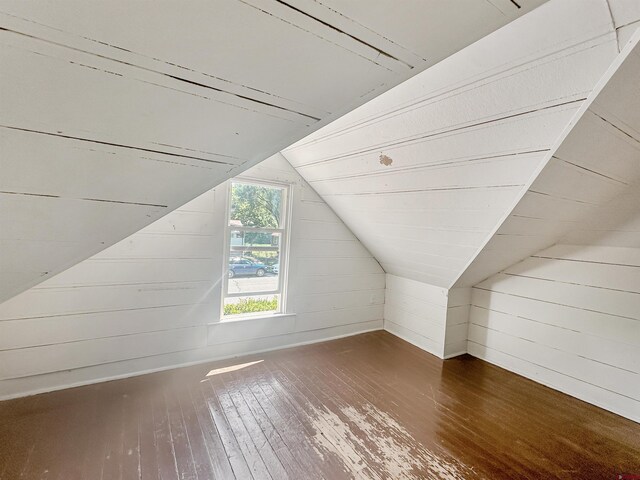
(102, 379)
(454, 354)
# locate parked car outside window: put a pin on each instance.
(275, 269)
(243, 266)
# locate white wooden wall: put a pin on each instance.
(458, 306)
(433, 318)
(114, 113)
(416, 312)
(567, 317)
(152, 301)
(464, 138)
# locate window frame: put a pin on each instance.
(284, 231)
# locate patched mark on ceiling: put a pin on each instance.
(385, 160)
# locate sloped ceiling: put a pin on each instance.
(613, 224)
(587, 191)
(426, 172)
(113, 113)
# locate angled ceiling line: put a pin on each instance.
(217, 100)
(142, 204)
(437, 189)
(326, 24)
(582, 167)
(132, 147)
(616, 127)
(182, 67)
(373, 61)
(158, 72)
(387, 39)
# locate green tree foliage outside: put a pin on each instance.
(251, 305)
(256, 205)
(260, 207)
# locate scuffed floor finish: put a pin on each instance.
(391, 447)
(364, 407)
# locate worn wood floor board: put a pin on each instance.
(147, 439)
(244, 399)
(185, 462)
(286, 435)
(365, 407)
(239, 463)
(294, 428)
(436, 410)
(226, 462)
(509, 414)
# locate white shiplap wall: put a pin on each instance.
(464, 137)
(567, 317)
(416, 312)
(433, 318)
(152, 300)
(458, 305)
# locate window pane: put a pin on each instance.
(252, 304)
(254, 262)
(256, 206)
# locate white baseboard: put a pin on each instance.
(278, 343)
(454, 354)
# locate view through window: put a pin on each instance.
(256, 237)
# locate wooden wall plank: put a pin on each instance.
(416, 312)
(153, 300)
(566, 317)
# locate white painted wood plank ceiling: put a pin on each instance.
(112, 113)
(425, 174)
(588, 182)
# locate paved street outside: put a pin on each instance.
(253, 284)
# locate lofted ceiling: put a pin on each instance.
(425, 173)
(114, 113)
(587, 190)
(615, 223)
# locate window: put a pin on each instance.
(255, 252)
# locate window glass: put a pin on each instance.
(254, 262)
(257, 206)
(256, 240)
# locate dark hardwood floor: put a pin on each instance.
(369, 406)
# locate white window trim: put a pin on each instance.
(285, 234)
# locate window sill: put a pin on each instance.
(244, 318)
